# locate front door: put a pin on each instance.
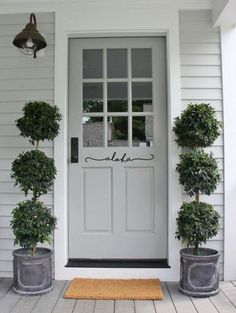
(117, 148)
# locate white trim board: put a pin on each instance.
(157, 20)
(19, 6)
(228, 47)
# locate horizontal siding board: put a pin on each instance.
(20, 18)
(9, 107)
(5, 274)
(199, 70)
(6, 255)
(20, 142)
(9, 29)
(27, 84)
(12, 152)
(6, 265)
(5, 221)
(21, 61)
(8, 130)
(219, 209)
(217, 152)
(200, 48)
(199, 37)
(200, 59)
(215, 244)
(27, 73)
(201, 82)
(20, 95)
(8, 118)
(195, 25)
(5, 176)
(6, 233)
(207, 94)
(195, 15)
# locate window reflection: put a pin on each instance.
(117, 97)
(142, 97)
(92, 63)
(117, 131)
(92, 97)
(143, 131)
(93, 134)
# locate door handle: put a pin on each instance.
(74, 146)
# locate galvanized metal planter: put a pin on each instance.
(199, 274)
(32, 274)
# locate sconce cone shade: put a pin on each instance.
(30, 33)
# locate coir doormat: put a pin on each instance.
(115, 289)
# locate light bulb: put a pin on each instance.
(29, 43)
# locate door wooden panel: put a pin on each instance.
(117, 110)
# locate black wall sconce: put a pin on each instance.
(29, 41)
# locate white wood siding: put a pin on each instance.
(22, 79)
(201, 82)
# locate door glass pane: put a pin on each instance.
(92, 63)
(92, 97)
(143, 131)
(117, 63)
(141, 63)
(117, 131)
(117, 97)
(142, 97)
(93, 131)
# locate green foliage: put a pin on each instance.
(198, 172)
(197, 126)
(34, 171)
(32, 223)
(196, 223)
(39, 122)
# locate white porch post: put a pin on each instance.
(228, 44)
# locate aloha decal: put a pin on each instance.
(123, 159)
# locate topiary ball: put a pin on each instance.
(39, 122)
(197, 126)
(196, 223)
(32, 223)
(198, 172)
(34, 171)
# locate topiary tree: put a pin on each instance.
(32, 222)
(197, 128)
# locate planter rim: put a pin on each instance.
(45, 252)
(211, 253)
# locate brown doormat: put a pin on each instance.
(115, 289)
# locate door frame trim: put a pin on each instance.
(171, 32)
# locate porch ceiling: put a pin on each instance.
(224, 12)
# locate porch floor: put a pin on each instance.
(53, 302)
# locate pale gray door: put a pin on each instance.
(117, 110)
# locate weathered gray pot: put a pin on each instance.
(32, 274)
(199, 274)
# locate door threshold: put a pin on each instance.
(118, 263)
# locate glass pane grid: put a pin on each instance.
(121, 106)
